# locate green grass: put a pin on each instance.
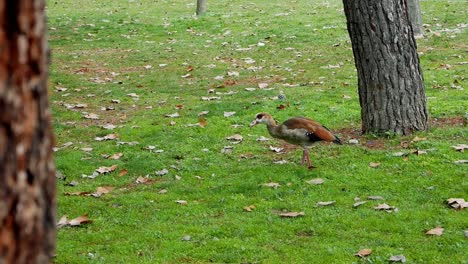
(113, 41)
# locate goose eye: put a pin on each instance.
(259, 116)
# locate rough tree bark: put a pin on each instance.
(416, 18)
(391, 89)
(201, 7)
(27, 174)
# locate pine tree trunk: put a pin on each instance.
(27, 175)
(391, 89)
(201, 7)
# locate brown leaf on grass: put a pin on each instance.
(374, 164)
(273, 185)
(229, 82)
(457, 203)
(116, 156)
(235, 137)
(202, 121)
(75, 193)
(73, 222)
(123, 172)
(103, 170)
(79, 220)
(327, 203)
(262, 85)
(101, 191)
(249, 208)
(281, 107)
(162, 191)
(107, 137)
(316, 181)
(437, 231)
(292, 214)
(364, 252)
(142, 179)
(189, 68)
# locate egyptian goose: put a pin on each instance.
(298, 131)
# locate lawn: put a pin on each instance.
(167, 89)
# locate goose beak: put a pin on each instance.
(253, 123)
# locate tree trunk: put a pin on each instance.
(391, 89)
(415, 17)
(27, 174)
(201, 7)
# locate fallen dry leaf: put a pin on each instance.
(249, 208)
(461, 162)
(162, 172)
(262, 138)
(107, 137)
(103, 170)
(228, 114)
(457, 203)
(91, 116)
(276, 149)
(123, 172)
(460, 147)
(142, 179)
(417, 139)
(162, 191)
(235, 137)
(74, 222)
(272, 185)
(316, 181)
(364, 252)
(327, 203)
(383, 206)
(227, 150)
(116, 156)
(374, 164)
(438, 231)
(181, 202)
(397, 258)
(101, 191)
(292, 214)
(172, 115)
(359, 203)
(374, 197)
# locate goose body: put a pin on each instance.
(299, 131)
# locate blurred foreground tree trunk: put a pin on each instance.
(27, 174)
(415, 17)
(390, 82)
(201, 7)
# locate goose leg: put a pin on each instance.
(309, 164)
(303, 157)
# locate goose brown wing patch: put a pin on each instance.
(315, 128)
